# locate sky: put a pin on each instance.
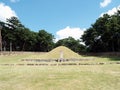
(62, 18)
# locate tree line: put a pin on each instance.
(23, 39)
(102, 36)
(16, 36)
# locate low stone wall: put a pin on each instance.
(60, 64)
(55, 60)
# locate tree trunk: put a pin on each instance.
(23, 47)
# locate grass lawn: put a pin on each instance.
(70, 77)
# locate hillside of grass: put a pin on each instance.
(55, 54)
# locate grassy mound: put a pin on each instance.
(67, 53)
(56, 53)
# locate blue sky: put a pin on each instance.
(62, 18)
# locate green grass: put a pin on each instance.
(105, 77)
(70, 77)
(14, 58)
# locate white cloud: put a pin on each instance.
(6, 12)
(112, 11)
(105, 3)
(13, 1)
(66, 32)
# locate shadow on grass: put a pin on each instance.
(114, 58)
(111, 58)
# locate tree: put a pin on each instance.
(23, 39)
(44, 41)
(71, 43)
(104, 34)
(14, 32)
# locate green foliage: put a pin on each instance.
(71, 43)
(44, 41)
(22, 39)
(104, 34)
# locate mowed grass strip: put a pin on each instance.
(14, 58)
(105, 77)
